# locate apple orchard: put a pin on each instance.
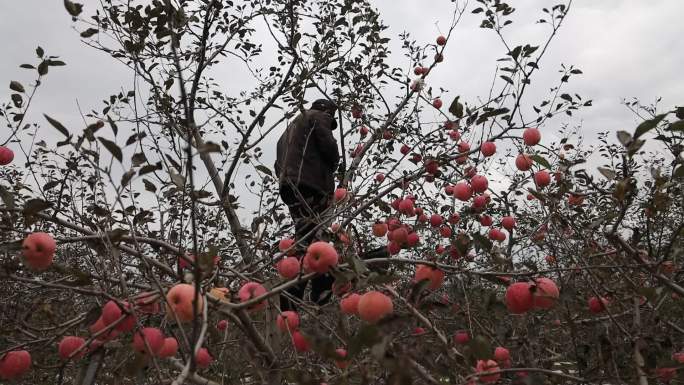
(146, 243)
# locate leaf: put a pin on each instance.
(43, 68)
(566, 97)
(27, 66)
(89, 32)
(115, 128)
(8, 197)
(648, 125)
(507, 79)
(51, 184)
(178, 180)
(112, 148)
(541, 160)
(16, 86)
(126, 178)
(456, 108)
(40, 52)
(33, 206)
(676, 126)
(74, 9)
(138, 159)
(264, 169)
(57, 125)
(149, 186)
(608, 173)
(679, 112)
(624, 137)
(150, 168)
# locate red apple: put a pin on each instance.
(418, 331)
(222, 325)
(508, 223)
(320, 257)
(400, 235)
(454, 218)
(39, 250)
(437, 103)
(542, 178)
(519, 298)
(288, 267)
(203, 358)
(340, 194)
(445, 231)
(363, 130)
(531, 136)
(374, 305)
(436, 220)
(479, 183)
(341, 362)
(523, 162)
(6, 156)
(299, 341)
(545, 294)
(112, 312)
(286, 244)
(406, 206)
(180, 300)
(597, 305)
(14, 364)
(412, 239)
(501, 354)
(462, 191)
(441, 40)
(380, 177)
(69, 345)
(488, 149)
(169, 348)
(350, 304)
(487, 366)
(461, 337)
(379, 229)
(486, 220)
(356, 111)
(393, 248)
(287, 320)
(251, 290)
(148, 341)
(463, 146)
(454, 135)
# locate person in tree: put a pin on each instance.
(307, 158)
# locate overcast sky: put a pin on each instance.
(626, 48)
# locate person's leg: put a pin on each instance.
(321, 289)
(294, 292)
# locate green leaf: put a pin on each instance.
(264, 169)
(59, 126)
(149, 186)
(40, 52)
(43, 68)
(648, 125)
(624, 137)
(676, 126)
(115, 128)
(16, 86)
(150, 168)
(456, 108)
(74, 9)
(89, 32)
(608, 173)
(112, 148)
(34, 206)
(541, 160)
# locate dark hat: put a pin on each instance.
(324, 105)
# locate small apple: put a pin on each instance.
(379, 229)
(251, 290)
(70, 344)
(486, 220)
(300, 342)
(487, 366)
(287, 320)
(463, 146)
(14, 364)
(437, 103)
(508, 223)
(148, 341)
(363, 130)
(531, 136)
(479, 183)
(597, 305)
(112, 312)
(488, 149)
(169, 348)
(6, 156)
(340, 194)
(545, 294)
(341, 362)
(523, 162)
(441, 40)
(349, 304)
(462, 191)
(320, 257)
(180, 300)
(380, 177)
(501, 354)
(519, 298)
(373, 306)
(203, 359)
(454, 135)
(542, 178)
(461, 337)
(288, 267)
(39, 250)
(222, 325)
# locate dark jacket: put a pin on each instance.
(307, 152)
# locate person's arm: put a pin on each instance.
(322, 125)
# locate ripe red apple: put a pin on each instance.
(497, 235)
(531, 136)
(406, 206)
(222, 325)
(393, 248)
(203, 358)
(98, 326)
(363, 130)
(405, 149)
(454, 218)
(550, 259)
(488, 149)
(180, 300)
(147, 302)
(434, 276)
(252, 290)
(445, 231)
(6, 156)
(462, 191)
(70, 344)
(542, 178)
(432, 167)
(436, 220)
(679, 357)
(356, 111)
(400, 235)
(380, 177)
(508, 223)
(340, 194)
(519, 298)
(412, 239)
(441, 40)
(286, 244)
(501, 354)
(320, 257)
(288, 267)
(454, 135)
(479, 183)
(418, 70)
(14, 364)
(287, 320)
(387, 135)
(341, 362)
(350, 304)
(666, 374)
(461, 337)
(486, 220)
(597, 305)
(169, 348)
(112, 312)
(300, 342)
(487, 366)
(374, 305)
(523, 162)
(379, 229)
(545, 294)
(437, 103)
(418, 331)
(463, 146)
(39, 250)
(148, 341)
